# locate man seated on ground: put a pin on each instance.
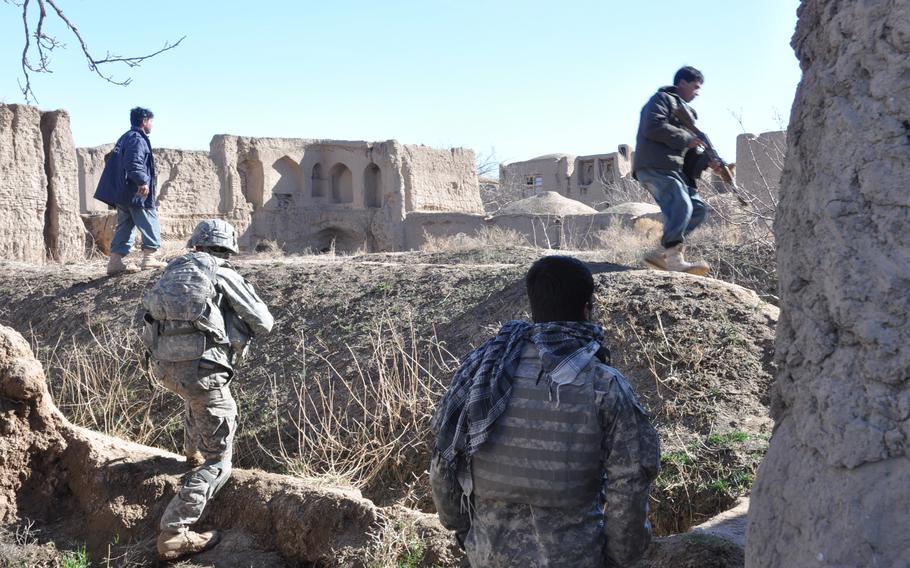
(543, 455)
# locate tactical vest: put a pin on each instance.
(545, 449)
(182, 309)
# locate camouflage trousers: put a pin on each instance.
(210, 422)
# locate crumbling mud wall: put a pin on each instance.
(39, 214)
(64, 232)
(440, 180)
(23, 184)
(834, 488)
(759, 162)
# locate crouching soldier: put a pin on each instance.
(543, 455)
(200, 317)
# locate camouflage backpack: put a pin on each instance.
(177, 307)
(184, 290)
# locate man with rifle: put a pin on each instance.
(669, 157)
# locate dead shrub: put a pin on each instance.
(367, 425)
(106, 386)
(485, 237)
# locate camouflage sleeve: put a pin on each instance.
(632, 461)
(447, 497)
(244, 301)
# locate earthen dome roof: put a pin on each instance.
(547, 203)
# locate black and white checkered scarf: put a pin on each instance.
(482, 386)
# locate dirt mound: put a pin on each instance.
(355, 333)
(547, 203)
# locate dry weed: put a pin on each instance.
(485, 237)
(623, 245)
(106, 386)
(369, 422)
(395, 543)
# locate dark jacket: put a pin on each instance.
(129, 165)
(662, 142)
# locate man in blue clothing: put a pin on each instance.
(128, 184)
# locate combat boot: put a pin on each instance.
(676, 261)
(657, 258)
(115, 265)
(149, 262)
(194, 459)
(174, 544)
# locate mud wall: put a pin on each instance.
(759, 162)
(834, 488)
(440, 180)
(39, 203)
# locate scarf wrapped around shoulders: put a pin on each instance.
(482, 385)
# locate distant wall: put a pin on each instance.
(570, 232)
(440, 180)
(759, 162)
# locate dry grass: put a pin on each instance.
(396, 543)
(106, 387)
(485, 237)
(366, 425)
(20, 546)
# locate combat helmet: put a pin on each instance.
(214, 233)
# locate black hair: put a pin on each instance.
(559, 288)
(138, 114)
(689, 74)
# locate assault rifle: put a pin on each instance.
(687, 121)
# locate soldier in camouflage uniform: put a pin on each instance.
(200, 317)
(543, 455)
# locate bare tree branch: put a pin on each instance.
(45, 44)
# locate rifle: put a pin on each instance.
(687, 121)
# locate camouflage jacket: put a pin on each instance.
(604, 524)
(245, 315)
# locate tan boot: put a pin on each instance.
(174, 544)
(194, 459)
(115, 265)
(657, 258)
(677, 262)
(149, 262)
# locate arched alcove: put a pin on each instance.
(372, 186)
(336, 239)
(317, 181)
(288, 182)
(342, 184)
(252, 182)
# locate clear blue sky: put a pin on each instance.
(526, 78)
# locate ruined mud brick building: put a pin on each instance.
(590, 179)
(602, 180)
(302, 194)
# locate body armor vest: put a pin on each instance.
(545, 449)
